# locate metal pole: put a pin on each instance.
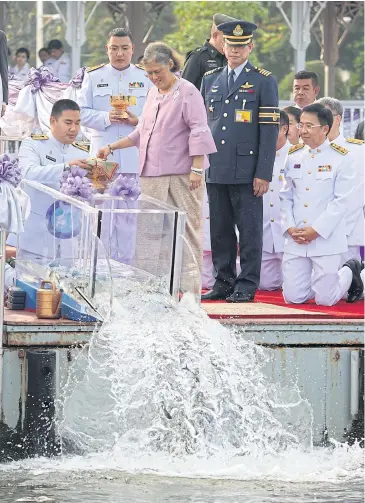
(2, 286)
(39, 42)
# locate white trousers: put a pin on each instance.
(321, 278)
(271, 275)
(352, 252)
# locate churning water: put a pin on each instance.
(166, 405)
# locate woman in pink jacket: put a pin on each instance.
(174, 139)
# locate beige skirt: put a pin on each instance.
(174, 190)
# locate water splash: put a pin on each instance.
(163, 379)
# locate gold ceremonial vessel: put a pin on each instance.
(121, 103)
(48, 304)
(102, 172)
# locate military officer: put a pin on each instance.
(355, 213)
(319, 182)
(102, 82)
(243, 114)
(43, 158)
(271, 277)
(59, 62)
(209, 56)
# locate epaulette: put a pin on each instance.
(39, 137)
(296, 147)
(213, 71)
(81, 146)
(339, 149)
(92, 68)
(266, 73)
(141, 67)
(355, 140)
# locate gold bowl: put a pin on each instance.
(121, 103)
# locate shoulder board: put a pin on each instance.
(355, 140)
(81, 146)
(92, 68)
(39, 137)
(213, 71)
(296, 147)
(266, 73)
(141, 67)
(339, 149)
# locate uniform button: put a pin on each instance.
(225, 114)
(306, 206)
(313, 156)
(227, 101)
(224, 128)
(271, 205)
(318, 149)
(307, 188)
(211, 101)
(251, 152)
(272, 190)
(304, 221)
(309, 172)
(223, 142)
(272, 220)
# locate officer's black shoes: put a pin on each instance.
(215, 295)
(356, 288)
(241, 297)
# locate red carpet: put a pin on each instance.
(342, 310)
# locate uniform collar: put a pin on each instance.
(119, 73)
(211, 49)
(237, 70)
(325, 145)
(339, 139)
(61, 146)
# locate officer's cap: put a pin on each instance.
(237, 32)
(222, 18)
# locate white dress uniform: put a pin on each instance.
(60, 67)
(42, 159)
(355, 216)
(318, 187)
(271, 277)
(21, 73)
(100, 83)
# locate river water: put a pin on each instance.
(166, 405)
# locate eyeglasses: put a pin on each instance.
(300, 125)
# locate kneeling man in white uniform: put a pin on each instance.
(319, 184)
(271, 277)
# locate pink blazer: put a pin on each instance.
(172, 129)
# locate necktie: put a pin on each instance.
(231, 80)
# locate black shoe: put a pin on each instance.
(215, 295)
(356, 288)
(241, 297)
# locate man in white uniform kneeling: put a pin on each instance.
(319, 184)
(271, 277)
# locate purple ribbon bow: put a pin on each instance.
(78, 78)
(74, 183)
(10, 170)
(126, 187)
(38, 78)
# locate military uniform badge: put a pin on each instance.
(294, 148)
(92, 68)
(339, 149)
(355, 140)
(81, 146)
(39, 137)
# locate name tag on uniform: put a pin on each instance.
(243, 116)
(102, 85)
(50, 158)
(322, 169)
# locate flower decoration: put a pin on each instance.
(37, 78)
(77, 79)
(10, 170)
(126, 187)
(74, 183)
